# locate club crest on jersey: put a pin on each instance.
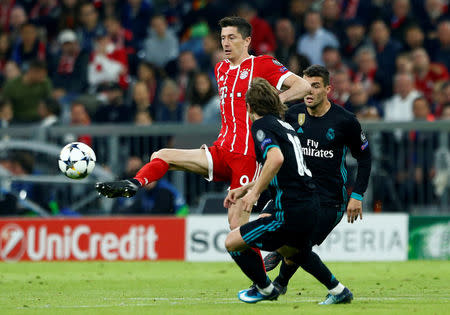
(244, 74)
(330, 134)
(260, 135)
(301, 119)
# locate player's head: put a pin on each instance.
(262, 99)
(235, 36)
(319, 78)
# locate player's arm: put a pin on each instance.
(273, 163)
(237, 193)
(280, 77)
(359, 147)
(297, 88)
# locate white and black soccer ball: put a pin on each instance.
(76, 160)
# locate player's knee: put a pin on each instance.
(163, 154)
(229, 244)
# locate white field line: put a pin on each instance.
(198, 301)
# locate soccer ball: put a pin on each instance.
(76, 160)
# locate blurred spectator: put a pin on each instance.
(18, 18)
(110, 8)
(161, 46)
(20, 164)
(421, 153)
(210, 46)
(434, 10)
(79, 117)
(296, 13)
(360, 104)
(45, 14)
(414, 38)
(341, 85)
(263, 39)
(48, 110)
(29, 47)
(90, 26)
(285, 35)
(6, 6)
(68, 17)
(297, 63)
(147, 74)
(204, 95)
(354, 39)
(113, 110)
(421, 109)
(121, 37)
(143, 119)
(175, 11)
(108, 63)
(194, 114)
(400, 18)
(386, 48)
(330, 13)
(135, 15)
(446, 112)
(316, 38)
(442, 98)
(169, 109)
(6, 113)
(333, 62)
(426, 73)
(187, 67)
(403, 63)
(11, 71)
(400, 106)
(159, 197)
(362, 10)
(5, 50)
(141, 99)
(442, 54)
(69, 71)
(375, 82)
(37, 86)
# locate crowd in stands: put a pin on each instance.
(146, 61)
(81, 62)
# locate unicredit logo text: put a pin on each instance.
(77, 243)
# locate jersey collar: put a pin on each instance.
(235, 67)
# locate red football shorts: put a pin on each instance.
(224, 166)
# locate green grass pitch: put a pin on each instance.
(415, 287)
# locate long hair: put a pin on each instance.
(263, 99)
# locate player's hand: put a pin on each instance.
(249, 200)
(354, 209)
(233, 196)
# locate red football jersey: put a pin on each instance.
(232, 84)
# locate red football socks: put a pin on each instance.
(258, 251)
(152, 171)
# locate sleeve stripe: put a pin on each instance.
(267, 149)
(356, 196)
(282, 78)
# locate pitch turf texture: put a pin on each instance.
(415, 287)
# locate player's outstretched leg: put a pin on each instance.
(163, 160)
(121, 188)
